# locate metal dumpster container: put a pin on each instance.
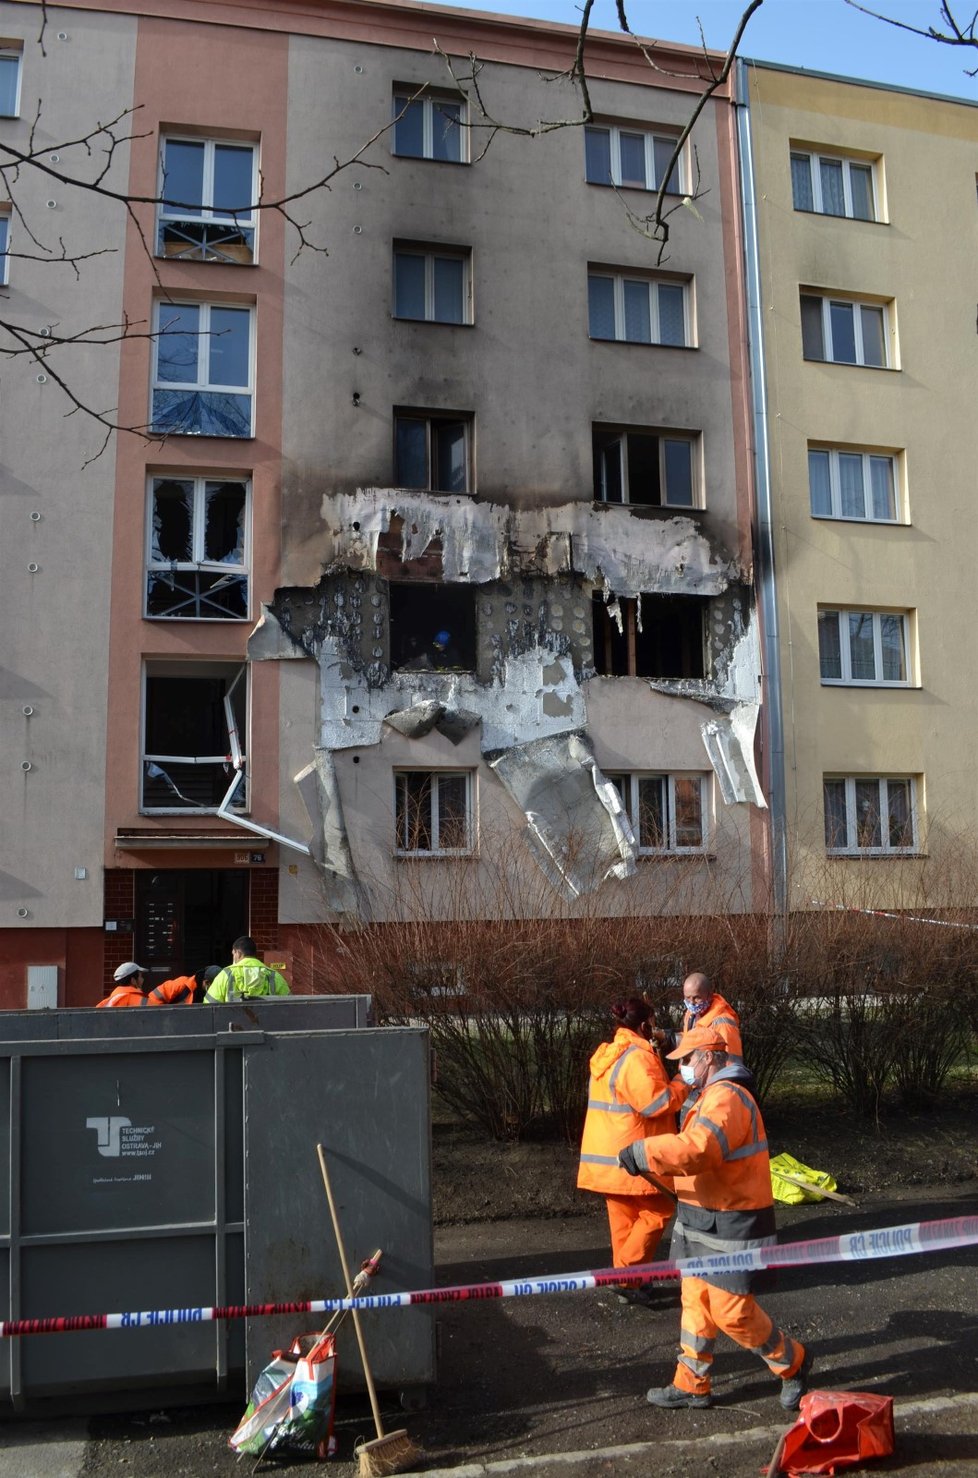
(157, 1172)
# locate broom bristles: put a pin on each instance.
(393, 1453)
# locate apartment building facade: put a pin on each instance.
(862, 207)
(435, 561)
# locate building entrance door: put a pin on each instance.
(188, 919)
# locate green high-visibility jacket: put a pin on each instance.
(248, 978)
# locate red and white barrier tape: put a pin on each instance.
(902, 1241)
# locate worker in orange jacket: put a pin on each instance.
(629, 1094)
(132, 989)
(703, 1006)
(723, 1180)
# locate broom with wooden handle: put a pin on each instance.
(389, 1452)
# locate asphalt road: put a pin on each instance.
(554, 1385)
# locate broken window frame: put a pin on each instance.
(832, 459)
(655, 143)
(432, 821)
(12, 61)
(217, 235)
(431, 255)
(837, 651)
(813, 160)
(166, 317)
(228, 767)
(630, 785)
(617, 438)
(850, 809)
(823, 335)
(433, 422)
(629, 609)
(184, 575)
(622, 309)
(433, 106)
(4, 248)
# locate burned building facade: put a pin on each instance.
(445, 536)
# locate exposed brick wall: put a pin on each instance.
(263, 908)
(120, 903)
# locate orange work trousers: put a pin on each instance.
(707, 1310)
(637, 1224)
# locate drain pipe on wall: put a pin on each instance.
(766, 592)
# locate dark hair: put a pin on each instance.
(246, 944)
(632, 1013)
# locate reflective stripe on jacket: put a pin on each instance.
(629, 1095)
(245, 980)
(125, 995)
(723, 1175)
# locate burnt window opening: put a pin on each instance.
(188, 745)
(432, 627)
(196, 563)
(433, 452)
(669, 645)
(654, 469)
(433, 811)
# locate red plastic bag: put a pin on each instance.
(837, 1429)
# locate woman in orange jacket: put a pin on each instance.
(629, 1095)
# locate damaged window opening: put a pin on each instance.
(188, 747)
(432, 284)
(433, 452)
(202, 383)
(196, 564)
(643, 467)
(433, 810)
(667, 812)
(637, 310)
(208, 191)
(432, 627)
(870, 814)
(665, 638)
(429, 127)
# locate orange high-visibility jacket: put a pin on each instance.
(723, 1174)
(629, 1095)
(723, 1019)
(176, 992)
(125, 995)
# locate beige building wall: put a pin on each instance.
(918, 258)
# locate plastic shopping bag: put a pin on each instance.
(786, 1191)
(836, 1430)
(307, 1427)
(268, 1405)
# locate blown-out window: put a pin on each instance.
(434, 812)
(193, 734)
(196, 566)
(208, 194)
(645, 467)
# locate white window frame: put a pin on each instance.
(815, 157)
(463, 418)
(430, 102)
(627, 783)
(430, 255)
(851, 848)
(834, 453)
(232, 762)
(197, 563)
(246, 222)
(203, 338)
(434, 777)
(830, 301)
(4, 248)
(842, 614)
(619, 279)
(678, 184)
(688, 439)
(14, 53)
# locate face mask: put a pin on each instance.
(688, 1074)
(696, 1008)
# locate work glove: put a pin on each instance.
(627, 1158)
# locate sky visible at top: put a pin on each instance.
(823, 35)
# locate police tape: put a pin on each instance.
(903, 1241)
